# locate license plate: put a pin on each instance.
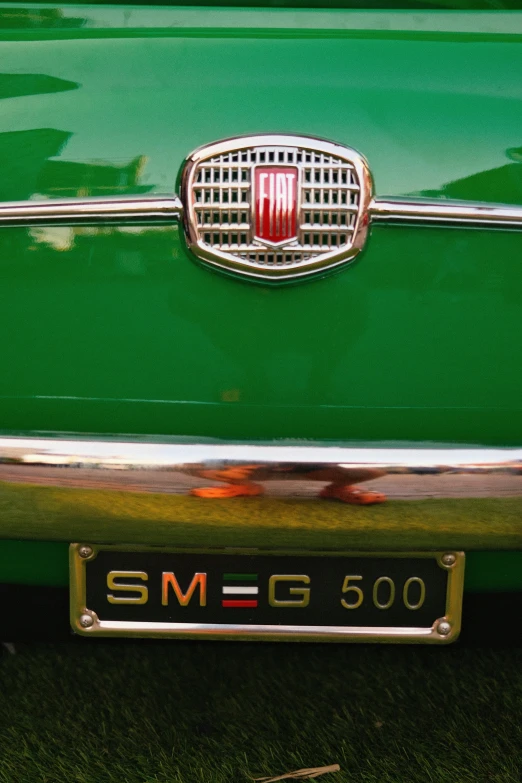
(353, 596)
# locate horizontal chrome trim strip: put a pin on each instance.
(183, 492)
(175, 467)
(446, 213)
(142, 210)
(91, 211)
(265, 632)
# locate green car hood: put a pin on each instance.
(122, 330)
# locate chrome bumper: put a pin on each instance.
(142, 491)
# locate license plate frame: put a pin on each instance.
(86, 621)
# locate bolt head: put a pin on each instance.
(85, 551)
(444, 628)
(448, 559)
(86, 621)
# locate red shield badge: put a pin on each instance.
(275, 208)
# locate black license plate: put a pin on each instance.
(117, 591)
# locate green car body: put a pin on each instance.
(112, 330)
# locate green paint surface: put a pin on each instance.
(120, 330)
(493, 571)
(43, 563)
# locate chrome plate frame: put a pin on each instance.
(443, 630)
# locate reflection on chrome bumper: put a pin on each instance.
(176, 492)
(179, 467)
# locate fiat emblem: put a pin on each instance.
(275, 205)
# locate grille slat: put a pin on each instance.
(322, 228)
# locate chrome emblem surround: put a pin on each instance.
(331, 206)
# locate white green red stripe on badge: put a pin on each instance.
(235, 594)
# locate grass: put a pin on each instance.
(102, 516)
(91, 712)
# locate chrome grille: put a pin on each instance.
(328, 204)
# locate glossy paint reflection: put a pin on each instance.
(500, 183)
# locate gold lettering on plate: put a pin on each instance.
(198, 580)
(391, 592)
(355, 592)
(405, 593)
(125, 587)
(304, 592)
